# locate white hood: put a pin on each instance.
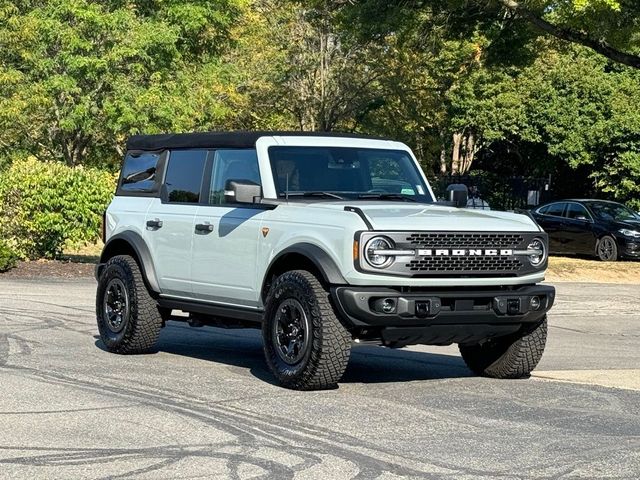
(409, 217)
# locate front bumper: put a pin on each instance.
(441, 316)
(630, 248)
(387, 307)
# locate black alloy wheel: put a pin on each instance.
(607, 249)
(116, 305)
(291, 331)
(305, 344)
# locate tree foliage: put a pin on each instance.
(78, 76)
(467, 83)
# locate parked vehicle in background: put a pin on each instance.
(607, 230)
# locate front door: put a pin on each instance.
(578, 230)
(226, 236)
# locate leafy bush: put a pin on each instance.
(46, 206)
(8, 258)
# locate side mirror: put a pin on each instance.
(581, 217)
(242, 191)
(458, 194)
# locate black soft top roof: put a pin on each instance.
(219, 139)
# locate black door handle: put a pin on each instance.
(156, 223)
(204, 227)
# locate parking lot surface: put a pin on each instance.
(205, 406)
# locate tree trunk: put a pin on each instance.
(469, 152)
(455, 156)
(443, 158)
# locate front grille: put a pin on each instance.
(458, 265)
(465, 240)
(456, 254)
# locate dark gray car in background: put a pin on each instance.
(607, 230)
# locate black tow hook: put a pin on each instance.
(422, 309)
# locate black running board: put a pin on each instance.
(213, 309)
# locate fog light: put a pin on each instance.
(385, 305)
(388, 305)
(535, 303)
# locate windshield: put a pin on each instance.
(347, 173)
(612, 211)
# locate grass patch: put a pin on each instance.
(569, 269)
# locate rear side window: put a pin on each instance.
(232, 165)
(555, 209)
(139, 172)
(183, 180)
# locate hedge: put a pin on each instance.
(8, 258)
(47, 206)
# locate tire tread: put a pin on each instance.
(145, 322)
(516, 359)
(331, 340)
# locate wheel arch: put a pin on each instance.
(303, 256)
(132, 244)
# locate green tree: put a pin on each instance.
(78, 76)
(609, 27)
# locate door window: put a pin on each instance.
(576, 211)
(555, 209)
(183, 180)
(232, 165)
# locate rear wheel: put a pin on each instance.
(607, 249)
(305, 345)
(507, 357)
(129, 319)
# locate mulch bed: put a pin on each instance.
(51, 269)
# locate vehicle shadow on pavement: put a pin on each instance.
(371, 364)
(368, 364)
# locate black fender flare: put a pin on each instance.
(137, 243)
(321, 260)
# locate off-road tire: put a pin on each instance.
(605, 254)
(326, 354)
(144, 320)
(507, 357)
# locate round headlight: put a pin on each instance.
(373, 252)
(540, 256)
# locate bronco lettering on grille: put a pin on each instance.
(465, 252)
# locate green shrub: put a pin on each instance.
(8, 258)
(46, 206)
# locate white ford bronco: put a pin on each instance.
(320, 240)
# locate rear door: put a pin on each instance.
(226, 235)
(170, 221)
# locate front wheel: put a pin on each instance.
(305, 345)
(607, 249)
(507, 357)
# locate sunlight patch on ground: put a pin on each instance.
(628, 379)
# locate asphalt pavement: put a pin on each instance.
(205, 406)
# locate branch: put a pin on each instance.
(573, 36)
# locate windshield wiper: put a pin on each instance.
(312, 194)
(387, 196)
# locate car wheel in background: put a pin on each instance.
(607, 249)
